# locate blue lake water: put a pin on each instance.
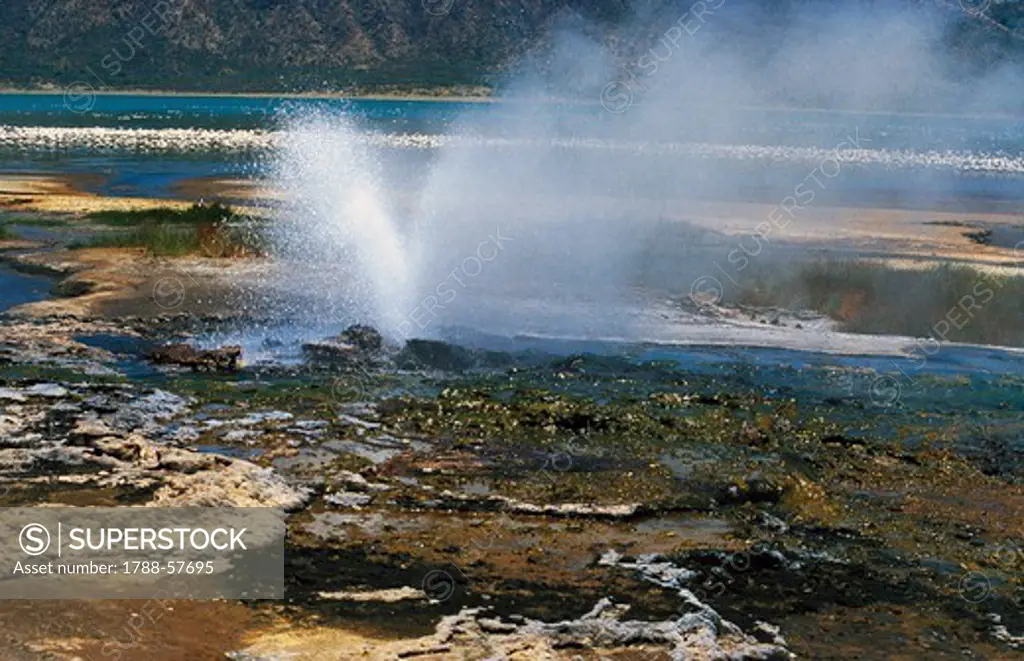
(757, 125)
(907, 179)
(17, 288)
(912, 173)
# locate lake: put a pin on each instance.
(144, 144)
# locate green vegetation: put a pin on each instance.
(197, 214)
(6, 233)
(160, 240)
(954, 303)
(165, 232)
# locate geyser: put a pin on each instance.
(484, 238)
(344, 254)
(551, 218)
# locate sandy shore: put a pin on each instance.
(212, 188)
(65, 194)
(902, 236)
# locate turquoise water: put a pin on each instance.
(757, 125)
(911, 175)
(156, 111)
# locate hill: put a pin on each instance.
(320, 45)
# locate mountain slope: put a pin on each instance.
(307, 45)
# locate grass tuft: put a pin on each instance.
(200, 230)
(198, 214)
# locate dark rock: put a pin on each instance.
(438, 355)
(572, 363)
(362, 337)
(186, 355)
(839, 439)
(71, 288)
(357, 346)
(332, 352)
(754, 489)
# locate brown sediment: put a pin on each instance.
(888, 234)
(81, 203)
(212, 188)
(68, 194)
(15, 185)
(96, 275)
(117, 282)
(126, 630)
(905, 633)
(18, 244)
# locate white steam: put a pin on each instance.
(581, 224)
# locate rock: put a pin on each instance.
(229, 483)
(356, 482)
(310, 425)
(357, 422)
(701, 633)
(357, 347)
(388, 596)
(754, 489)
(476, 633)
(653, 568)
(87, 429)
(188, 462)
(438, 355)
(182, 434)
(691, 636)
(264, 417)
(240, 435)
(72, 287)
(11, 395)
(144, 412)
(362, 337)
(1002, 634)
(493, 502)
(348, 499)
(495, 625)
(105, 441)
(204, 360)
(10, 426)
(333, 352)
(134, 449)
(606, 609)
(772, 523)
(767, 633)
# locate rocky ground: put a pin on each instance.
(447, 503)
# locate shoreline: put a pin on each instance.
(875, 231)
(489, 97)
(454, 98)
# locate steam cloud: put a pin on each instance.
(590, 203)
